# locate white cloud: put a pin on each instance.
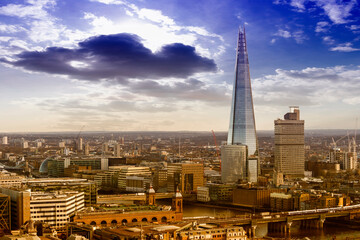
(298, 4)
(328, 40)
(345, 47)
(322, 26)
(283, 33)
(11, 28)
(308, 87)
(34, 9)
(338, 12)
(299, 35)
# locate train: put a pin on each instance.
(322, 210)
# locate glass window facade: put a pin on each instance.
(242, 121)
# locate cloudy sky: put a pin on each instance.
(169, 64)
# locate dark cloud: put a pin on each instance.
(119, 57)
(188, 90)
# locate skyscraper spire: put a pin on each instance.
(242, 121)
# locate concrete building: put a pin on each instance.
(54, 208)
(10, 179)
(289, 144)
(134, 179)
(186, 176)
(57, 208)
(66, 184)
(5, 140)
(233, 163)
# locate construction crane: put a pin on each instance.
(77, 136)
(216, 147)
(335, 142)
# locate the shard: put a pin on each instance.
(242, 120)
(239, 160)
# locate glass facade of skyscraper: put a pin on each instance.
(242, 121)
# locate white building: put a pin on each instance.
(5, 140)
(55, 209)
(203, 194)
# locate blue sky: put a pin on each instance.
(169, 65)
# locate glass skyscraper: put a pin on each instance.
(242, 121)
(242, 139)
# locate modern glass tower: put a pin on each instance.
(242, 120)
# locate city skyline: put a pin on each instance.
(112, 65)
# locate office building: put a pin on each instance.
(134, 179)
(186, 176)
(242, 129)
(289, 144)
(56, 208)
(233, 163)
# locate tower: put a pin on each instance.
(150, 196)
(242, 129)
(177, 204)
(289, 144)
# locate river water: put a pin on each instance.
(328, 232)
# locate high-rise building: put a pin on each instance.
(242, 129)
(289, 144)
(233, 163)
(5, 140)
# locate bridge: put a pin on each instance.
(281, 222)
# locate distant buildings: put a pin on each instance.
(242, 129)
(289, 144)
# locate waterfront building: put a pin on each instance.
(289, 144)
(254, 197)
(221, 192)
(233, 163)
(203, 194)
(186, 176)
(242, 130)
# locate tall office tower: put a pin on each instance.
(289, 144)
(242, 129)
(80, 144)
(5, 140)
(87, 149)
(117, 150)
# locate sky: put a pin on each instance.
(168, 65)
